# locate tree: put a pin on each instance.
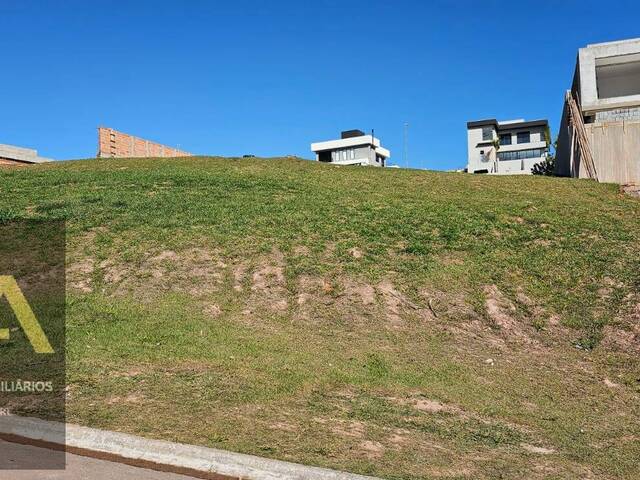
(547, 166)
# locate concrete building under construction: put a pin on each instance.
(12, 156)
(599, 133)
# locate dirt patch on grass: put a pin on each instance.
(239, 273)
(371, 450)
(79, 275)
(132, 372)
(623, 334)
(132, 398)
(504, 315)
(301, 251)
(620, 339)
(196, 271)
(285, 427)
(269, 284)
(359, 292)
(454, 314)
(310, 294)
(348, 428)
(341, 301)
(213, 310)
(451, 258)
(433, 406)
(447, 306)
(309, 288)
(393, 302)
(114, 274)
(426, 405)
(537, 450)
(397, 306)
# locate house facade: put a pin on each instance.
(506, 148)
(13, 156)
(606, 91)
(353, 148)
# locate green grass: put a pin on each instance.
(293, 364)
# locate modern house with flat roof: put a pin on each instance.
(601, 115)
(353, 148)
(13, 156)
(506, 148)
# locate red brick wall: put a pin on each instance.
(112, 143)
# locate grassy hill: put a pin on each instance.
(404, 324)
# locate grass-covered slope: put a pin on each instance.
(404, 324)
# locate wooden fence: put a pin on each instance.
(616, 151)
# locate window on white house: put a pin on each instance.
(524, 137)
(487, 133)
(353, 154)
(522, 154)
(344, 154)
(505, 139)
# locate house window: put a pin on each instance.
(344, 154)
(524, 137)
(487, 133)
(522, 154)
(505, 139)
(353, 153)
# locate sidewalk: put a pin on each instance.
(108, 450)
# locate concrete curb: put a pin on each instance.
(158, 454)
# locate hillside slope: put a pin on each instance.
(405, 324)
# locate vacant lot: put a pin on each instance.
(403, 324)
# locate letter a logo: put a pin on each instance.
(18, 303)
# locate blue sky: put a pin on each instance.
(269, 77)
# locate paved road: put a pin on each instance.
(78, 468)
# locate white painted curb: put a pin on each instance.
(161, 453)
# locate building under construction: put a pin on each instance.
(12, 156)
(599, 133)
(115, 144)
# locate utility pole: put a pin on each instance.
(405, 152)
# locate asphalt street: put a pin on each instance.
(13, 456)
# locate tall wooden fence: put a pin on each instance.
(616, 151)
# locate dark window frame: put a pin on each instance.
(521, 135)
(485, 137)
(521, 154)
(505, 139)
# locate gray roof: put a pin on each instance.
(21, 154)
(506, 126)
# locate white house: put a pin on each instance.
(506, 148)
(353, 148)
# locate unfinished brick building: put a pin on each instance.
(114, 144)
